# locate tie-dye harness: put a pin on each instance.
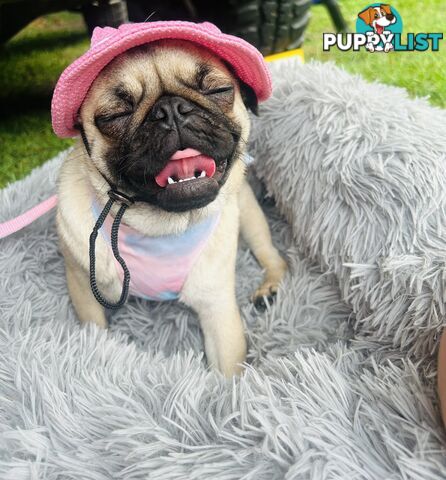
(159, 265)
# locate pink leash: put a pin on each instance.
(16, 224)
(22, 221)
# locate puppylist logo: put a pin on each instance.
(379, 28)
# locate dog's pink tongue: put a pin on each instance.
(379, 29)
(188, 152)
(185, 164)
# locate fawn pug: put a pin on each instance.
(166, 123)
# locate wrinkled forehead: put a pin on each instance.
(165, 66)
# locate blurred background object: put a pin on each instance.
(17, 14)
(271, 25)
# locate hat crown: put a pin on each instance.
(210, 27)
(101, 33)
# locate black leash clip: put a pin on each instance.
(121, 197)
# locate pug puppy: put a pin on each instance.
(146, 107)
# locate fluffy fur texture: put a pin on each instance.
(365, 193)
(336, 386)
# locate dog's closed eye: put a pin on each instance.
(107, 118)
(116, 108)
(111, 124)
(219, 90)
(209, 81)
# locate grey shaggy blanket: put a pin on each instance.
(340, 382)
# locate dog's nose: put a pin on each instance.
(390, 16)
(168, 111)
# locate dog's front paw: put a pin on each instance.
(370, 47)
(265, 294)
(388, 47)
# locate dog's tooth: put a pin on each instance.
(170, 180)
(202, 174)
(181, 180)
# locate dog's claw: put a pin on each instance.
(261, 302)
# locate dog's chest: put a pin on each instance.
(159, 265)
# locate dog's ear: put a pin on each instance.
(367, 15)
(249, 98)
(386, 8)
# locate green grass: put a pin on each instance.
(31, 63)
(29, 67)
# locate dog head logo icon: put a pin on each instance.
(378, 17)
(379, 22)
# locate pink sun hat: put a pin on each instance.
(107, 43)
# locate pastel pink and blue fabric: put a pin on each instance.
(158, 266)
